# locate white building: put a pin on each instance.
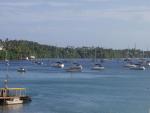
(32, 57)
(1, 48)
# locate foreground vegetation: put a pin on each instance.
(18, 49)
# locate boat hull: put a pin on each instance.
(21, 70)
(73, 70)
(137, 68)
(58, 65)
(98, 68)
(14, 101)
(8, 100)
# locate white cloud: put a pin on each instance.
(14, 4)
(34, 3)
(132, 13)
(97, 0)
(128, 13)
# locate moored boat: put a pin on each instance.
(97, 67)
(10, 96)
(130, 65)
(15, 100)
(21, 69)
(58, 65)
(147, 63)
(75, 68)
(39, 62)
(138, 67)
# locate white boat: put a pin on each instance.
(6, 60)
(127, 59)
(39, 62)
(147, 63)
(21, 70)
(138, 67)
(15, 100)
(58, 65)
(97, 67)
(75, 68)
(130, 65)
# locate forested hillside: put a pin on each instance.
(18, 49)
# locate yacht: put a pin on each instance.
(97, 67)
(75, 68)
(58, 65)
(138, 67)
(130, 65)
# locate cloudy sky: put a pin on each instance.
(107, 23)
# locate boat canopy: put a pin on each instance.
(98, 65)
(12, 88)
(11, 92)
(59, 62)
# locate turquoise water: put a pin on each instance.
(113, 90)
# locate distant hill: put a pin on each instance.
(18, 49)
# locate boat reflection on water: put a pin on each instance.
(11, 108)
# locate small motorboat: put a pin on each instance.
(97, 67)
(21, 70)
(75, 68)
(58, 65)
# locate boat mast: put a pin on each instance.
(6, 80)
(57, 53)
(95, 55)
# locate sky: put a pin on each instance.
(115, 24)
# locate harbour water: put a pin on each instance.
(113, 90)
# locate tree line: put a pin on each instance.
(19, 49)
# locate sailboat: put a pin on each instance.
(58, 64)
(138, 67)
(9, 96)
(74, 68)
(6, 60)
(97, 66)
(21, 68)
